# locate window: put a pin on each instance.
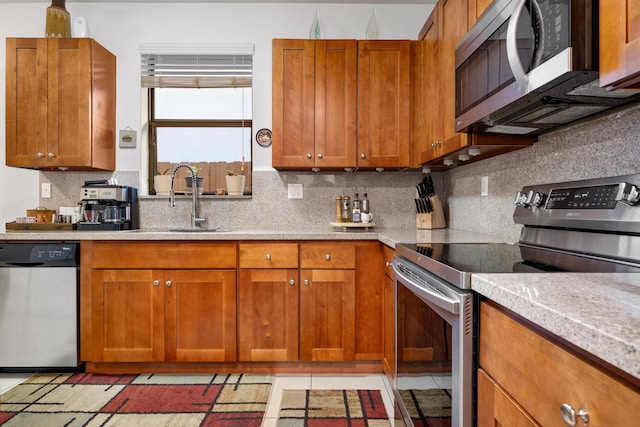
(199, 113)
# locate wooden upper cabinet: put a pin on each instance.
(619, 43)
(476, 8)
(384, 89)
(314, 103)
(454, 26)
(335, 108)
(340, 104)
(427, 114)
(60, 104)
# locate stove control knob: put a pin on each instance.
(521, 199)
(534, 198)
(628, 194)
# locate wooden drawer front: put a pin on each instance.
(327, 255)
(541, 376)
(207, 255)
(388, 255)
(268, 255)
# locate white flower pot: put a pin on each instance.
(235, 185)
(162, 184)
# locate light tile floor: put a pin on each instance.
(282, 382)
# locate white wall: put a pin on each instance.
(121, 27)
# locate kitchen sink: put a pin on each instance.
(194, 229)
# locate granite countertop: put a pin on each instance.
(387, 236)
(599, 313)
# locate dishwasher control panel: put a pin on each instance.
(38, 254)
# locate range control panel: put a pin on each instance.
(603, 197)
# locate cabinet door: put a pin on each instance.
(427, 117)
(69, 102)
(619, 43)
(327, 315)
(384, 90)
(369, 301)
(26, 102)
(200, 310)
(389, 360)
(335, 103)
(268, 315)
(454, 27)
(496, 408)
(127, 316)
(293, 103)
(477, 8)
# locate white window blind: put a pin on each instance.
(196, 66)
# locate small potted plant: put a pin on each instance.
(235, 183)
(162, 183)
(189, 180)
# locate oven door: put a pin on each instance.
(434, 348)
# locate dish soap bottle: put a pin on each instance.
(355, 213)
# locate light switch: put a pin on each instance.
(45, 190)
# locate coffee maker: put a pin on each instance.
(108, 207)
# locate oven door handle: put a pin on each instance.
(428, 292)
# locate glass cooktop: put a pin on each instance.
(455, 262)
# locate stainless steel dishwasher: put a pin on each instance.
(38, 305)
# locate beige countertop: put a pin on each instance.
(599, 313)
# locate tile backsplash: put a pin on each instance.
(607, 146)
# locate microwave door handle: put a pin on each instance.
(512, 48)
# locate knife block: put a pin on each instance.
(433, 219)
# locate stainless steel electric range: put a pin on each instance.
(578, 226)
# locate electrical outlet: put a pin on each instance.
(295, 191)
(45, 190)
(484, 188)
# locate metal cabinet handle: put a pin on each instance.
(363, 156)
(51, 155)
(292, 282)
(306, 282)
(387, 264)
(327, 257)
(569, 415)
(319, 155)
(309, 155)
(268, 257)
(168, 283)
(40, 155)
(156, 282)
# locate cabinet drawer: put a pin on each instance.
(327, 255)
(166, 255)
(541, 376)
(268, 255)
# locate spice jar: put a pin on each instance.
(339, 209)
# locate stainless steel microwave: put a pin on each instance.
(528, 66)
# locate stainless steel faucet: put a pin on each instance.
(195, 222)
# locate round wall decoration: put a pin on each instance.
(263, 137)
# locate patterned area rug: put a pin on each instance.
(70, 400)
(428, 408)
(332, 408)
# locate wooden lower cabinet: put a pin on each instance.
(497, 408)
(525, 377)
(327, 315)
(268, 315)
(163, 315)
(389, 313)
(309, 302)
